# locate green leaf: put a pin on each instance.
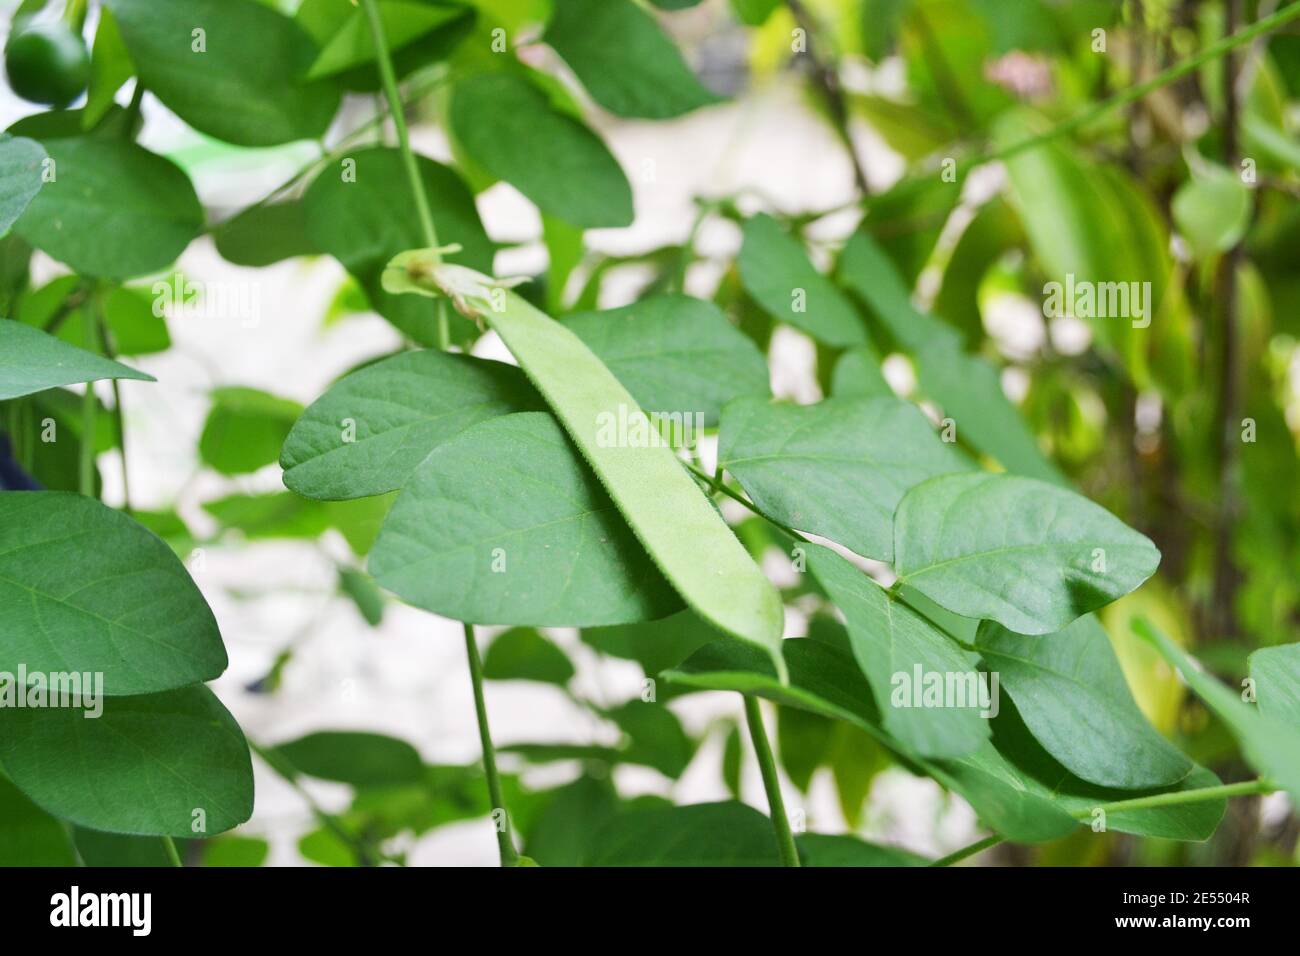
(239, 79)
(114, 210)
(31, 361)
(370, 430)
(754, 13)
(655, 645)
(128, 312)
(273, 515)
(86, 589)
(1087, 224)
(114, 849)
(1212, 210)
(152, 765)
(349, 216)
(733, 756)
(235, 851)
(1267, 740)
(1276, 671)
(554, 840)
(521, 653)
(657, 737)
(245, 429)
(1070, 691)
(824, 849)
(264, 235)
(1015, 760)
(365, 594)
(864, 268)
(355, 758)
(825, 681)
(858, 373)
(838, 468)
(967, 387)
(625, 61)
(567, 171)
(351, 44)
(110, 67)
(776, 271)
(893, 644)
(135, 329)
(671, 517)
(1029, 555)
(505, 524)
(969, 392)
(675, 354)
(28, 835)
(703, 834)
(21, 162)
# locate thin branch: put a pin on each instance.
(827, 80)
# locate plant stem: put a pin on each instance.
(1222, 619)
(86, 471)
(106, 343)
(979, 846)
(12, 414)
(1177, 797)
(368, 855)
(170, 846)
(509, 856)
(828, 84)
(767, 765)
(389, 78)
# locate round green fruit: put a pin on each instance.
(48, 64)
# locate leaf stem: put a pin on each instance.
(389, 78)
(979, 846)
(106, 343)
(170, 846)
(767, 765)
(1177, 797)
(509, 855)
(86, 470)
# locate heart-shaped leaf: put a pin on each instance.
(1071, 693)
(626, 62)
(83, 588)
(230, 68)
(902, 654)
(675, 354)
(20, 177)
(112, 209)
(159, 765)
(837, 468)
(505, 524)
(368, 432)
(1029, 555)
(566, 171)
(776, 271)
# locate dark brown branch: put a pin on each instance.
(827, 80)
